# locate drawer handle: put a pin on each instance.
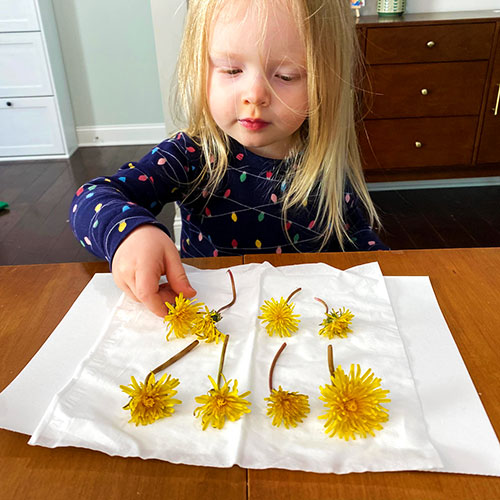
(430, 44)
(8, 103)
(424, 91)
(495, 109)
(418, 144)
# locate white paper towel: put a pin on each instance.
(88, 411)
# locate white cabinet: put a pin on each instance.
(18, 15)
(36, 139)
(36, 118)
(23, 65)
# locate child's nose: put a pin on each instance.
(257, 92)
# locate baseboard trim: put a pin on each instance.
(39, 158)
(434, 183)
(120, 135)
(62, 156)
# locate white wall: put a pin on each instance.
(168, 23)
(110, 61)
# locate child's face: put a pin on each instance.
(257, 85)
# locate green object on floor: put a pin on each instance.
(3, 205)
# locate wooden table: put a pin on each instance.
(33, 300)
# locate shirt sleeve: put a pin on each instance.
(105, 210)
(362, 235)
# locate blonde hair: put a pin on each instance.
(325, 152)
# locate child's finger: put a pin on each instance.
(146, 290)
(167, 294)
(128, 292)
(176, 275)
(124, 287)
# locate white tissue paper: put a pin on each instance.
(88, 412)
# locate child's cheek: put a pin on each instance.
(225, 92)
(215, 91)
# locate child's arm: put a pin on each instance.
(114, 218)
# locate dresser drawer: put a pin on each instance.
(24, 70)
(489, 148)
(29, 126)
(18, 15)
(457, 42)
(436, 89)
(418, 142)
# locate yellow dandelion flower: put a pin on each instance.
(289, 408)
(336, 323)
(152, 400)
(221, 404)
(205, 326)
(354, 404)
(181, 316)
(279, 317)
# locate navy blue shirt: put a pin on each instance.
(243, 215)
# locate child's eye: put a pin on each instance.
(231, 71)
(285, 78)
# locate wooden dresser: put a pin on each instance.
(432, 96)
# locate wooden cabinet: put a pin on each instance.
(437, 89)
(489, 147)
(429, 80)
(36, 117)
(419, 142)
(429, 43)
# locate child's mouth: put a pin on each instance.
(253, 123)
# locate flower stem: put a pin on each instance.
(323, 302)
(172, 360)
(293, 293)
(273, 364)
(330, 361)
(222, 356)
(234, 292)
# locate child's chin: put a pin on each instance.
(250, 142)
(266, 151)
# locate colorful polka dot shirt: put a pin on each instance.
(242, 216)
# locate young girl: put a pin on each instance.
(269, 159)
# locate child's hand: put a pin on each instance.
(145, 255)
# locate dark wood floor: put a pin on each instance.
(35, 229)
